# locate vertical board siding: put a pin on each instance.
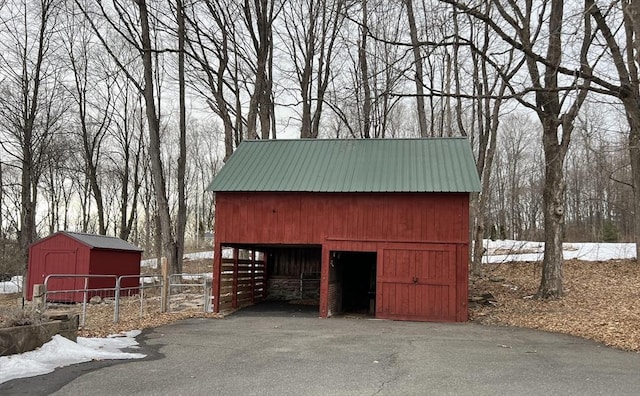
(421, 240)
(417, 283)
(242, 282)
(61, 254)
(294, 262)
(305, 218)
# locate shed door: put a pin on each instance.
(61, 262)
(417, 283)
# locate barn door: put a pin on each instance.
(417, 283)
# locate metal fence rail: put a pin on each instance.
(145, 282)
(79, 289)
(185, 285)
(72, 294)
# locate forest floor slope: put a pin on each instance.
(601, 302)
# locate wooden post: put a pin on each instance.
(164, 301)
(234, 291)
(324, 281)
(217, 273)
(39, 296)
(253, 276)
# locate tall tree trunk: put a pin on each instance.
(181, 220)
(553, 206)
(417, 60)
(168, 245)
(633, 117)
(260, 104)
(27, 233)
(364, 70)
(554, 154)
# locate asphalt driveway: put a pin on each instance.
(291, 352)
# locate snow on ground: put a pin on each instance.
(12, 286)
(226, 253)
(60, 352)
(503, 251)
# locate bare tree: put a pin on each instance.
(259, 16)
(138, 35)
(555, 106)
(128, 134)
(311, 32)
(181, 219)
(624, 50)
(419, 73)
(30, 105)
(364, 71)
(93, 114)
(489, 88)
(212, 51)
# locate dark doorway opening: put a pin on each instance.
(356, 275)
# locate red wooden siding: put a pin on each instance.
(417, 282)
(309, 218)
(61, 254)
(243, 281)
(421, 241)
(57, 255)
(116, 263)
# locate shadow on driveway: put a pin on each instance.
(278, 309)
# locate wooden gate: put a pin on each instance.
(417, 282)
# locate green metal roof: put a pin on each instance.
(350, 165)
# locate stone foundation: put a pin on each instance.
(287, 289)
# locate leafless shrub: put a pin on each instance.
(16, 316)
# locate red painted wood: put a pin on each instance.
(234, 291)
(305, 218)
(217, 276)
(434, 228)
(61, 254)
(324, 284)
(253, 275)
(418, 282)
(462, 273)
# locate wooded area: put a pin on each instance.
(115, 115)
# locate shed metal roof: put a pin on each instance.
(350, 165)
(102, 241)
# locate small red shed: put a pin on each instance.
(381, 225)
(82, 254)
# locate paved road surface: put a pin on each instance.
(291, 352)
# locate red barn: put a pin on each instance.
(380, 225)
(76, 253)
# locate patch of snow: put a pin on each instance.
(197, 277)
(12, 286)
(199, 255)
(226, 253)
(150, 279)
(503, 251)
(60, 352)
(149, 263)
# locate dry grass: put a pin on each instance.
(601, 300)
(14, 315)
(99, 317)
